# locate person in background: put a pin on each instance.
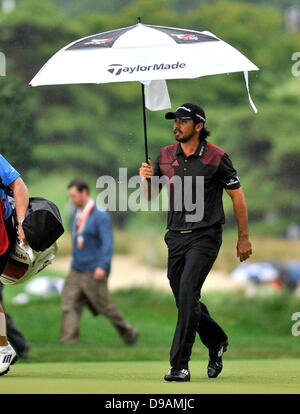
(86, 284)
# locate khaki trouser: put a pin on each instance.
(81, 289)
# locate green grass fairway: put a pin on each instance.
(270, 376)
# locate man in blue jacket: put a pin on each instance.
(86, 283)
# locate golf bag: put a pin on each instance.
(42, 224)
(24, 263)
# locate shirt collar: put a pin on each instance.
(199, 151)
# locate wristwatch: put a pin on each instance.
(20, 223)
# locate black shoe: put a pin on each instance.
(215, 364)
(180, 376)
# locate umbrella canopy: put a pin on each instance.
(141, 53)
(145, 53)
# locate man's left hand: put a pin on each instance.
(243, 248)
(99, 273)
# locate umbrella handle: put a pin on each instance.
(145, 126)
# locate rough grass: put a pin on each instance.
(258, 327)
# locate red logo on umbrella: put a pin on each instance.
(98, 41)
(186, 36)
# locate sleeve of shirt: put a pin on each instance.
(106, 238)
(227, 175)
(7, 172)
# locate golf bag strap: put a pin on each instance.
(3, 234)
(6, 189)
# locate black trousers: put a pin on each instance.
(190, 258)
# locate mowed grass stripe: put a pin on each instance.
(271, 376)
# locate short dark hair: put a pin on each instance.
(80, 184)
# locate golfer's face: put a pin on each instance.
(77, 197)
(183, 128)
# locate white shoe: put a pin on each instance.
(8, 357)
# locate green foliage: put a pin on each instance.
(32, 33)
(77, 7)
(267, 157)
(16, 123)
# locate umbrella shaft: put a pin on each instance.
(145, 123)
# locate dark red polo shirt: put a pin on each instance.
(208, 161)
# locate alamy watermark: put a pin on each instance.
(114, 196)
(2, 64)
(296, 326)
(296, 66)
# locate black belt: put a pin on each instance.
(195, 230)
(183, 231)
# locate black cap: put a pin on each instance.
(188, 111)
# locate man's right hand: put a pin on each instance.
(99, 273)
(146, 170)
(21, 234)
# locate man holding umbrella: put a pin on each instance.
(193, 241)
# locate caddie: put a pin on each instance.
(10, 180)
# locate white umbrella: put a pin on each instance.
(145, 53)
